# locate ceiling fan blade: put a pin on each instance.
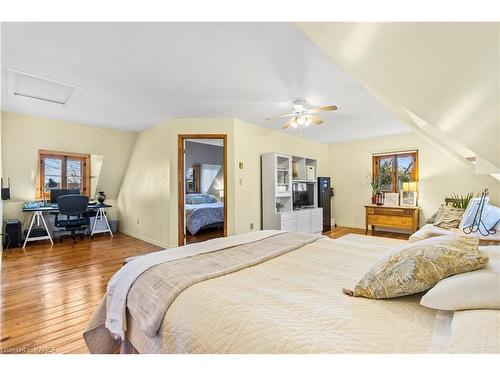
(323, 109)
(280, 116)
(288, 123)
(315, 120)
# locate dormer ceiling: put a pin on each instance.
(447, 74)
(135, 75)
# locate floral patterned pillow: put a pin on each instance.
(419, 266)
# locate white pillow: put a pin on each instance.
(470, 211)
(473, 290)
(491, 217)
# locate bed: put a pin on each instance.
(290, 302)
(430, 230)
(203, 211)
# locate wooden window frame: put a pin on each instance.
(394, 155)
(64, 156)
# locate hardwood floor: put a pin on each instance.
(342, 231)
(203, 235)
(48, 294)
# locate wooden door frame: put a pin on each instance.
(180, 179)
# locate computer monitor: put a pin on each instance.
(56, 193)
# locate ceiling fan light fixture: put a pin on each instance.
(302, 116)
(303, 121)
(299, 108)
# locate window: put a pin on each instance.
(394, 169)
(63, 170)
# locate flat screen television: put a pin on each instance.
(303, 195)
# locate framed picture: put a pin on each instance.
(391, 199)
(471, 211)
(409, 198)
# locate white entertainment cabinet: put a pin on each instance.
(279, 172)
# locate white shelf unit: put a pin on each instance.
(303, 169)
(279, 172)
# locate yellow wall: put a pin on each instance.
(251, 141)
(147, 203)
(140, 170)
(149, 189)
(23, 136)
(440, 175)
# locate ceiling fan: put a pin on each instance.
(303, 116)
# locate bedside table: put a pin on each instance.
(401, 217)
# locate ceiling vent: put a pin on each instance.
(26, 86)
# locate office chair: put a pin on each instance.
(74, 206)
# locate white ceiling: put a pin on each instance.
(135, 75)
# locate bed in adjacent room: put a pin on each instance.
(203, 211)
(275, 292)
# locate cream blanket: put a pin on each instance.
(121, 282)
(293, 304)
(150, 283)
(153, 293)
(430, 230)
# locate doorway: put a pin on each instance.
(202, 187)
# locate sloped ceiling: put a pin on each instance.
(446, 73)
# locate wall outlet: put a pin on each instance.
(251, 226)
(137, 220)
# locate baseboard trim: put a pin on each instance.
(142, 238)
(350, 225)
(378, 228)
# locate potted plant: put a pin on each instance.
(374, 183)
(460, 201)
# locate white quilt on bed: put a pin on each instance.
(293, 304)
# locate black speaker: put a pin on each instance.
(12, 234)
(6, 190)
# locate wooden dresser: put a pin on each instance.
(401, 217)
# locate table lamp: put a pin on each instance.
(411, 187)
(46, 189)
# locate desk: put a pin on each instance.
(37, 215)
(402, 217)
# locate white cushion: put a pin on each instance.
(473, 290)
(491, 217)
